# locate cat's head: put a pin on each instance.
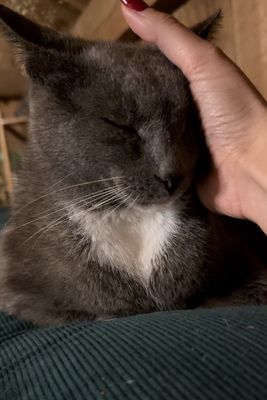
(109, 110)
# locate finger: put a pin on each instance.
(199, 60)
(179, 44)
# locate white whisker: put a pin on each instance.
(124, 200)
(63, 218)
(62, 189)
(48, 228)
(55, 223)
(50, 187)
(131, 205)
(51, 225)
(81, 199)
(109, 200)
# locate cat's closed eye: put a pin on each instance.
(125, 128)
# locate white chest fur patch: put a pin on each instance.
(130, 240)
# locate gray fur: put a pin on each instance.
(122, 115)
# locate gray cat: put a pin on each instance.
(105, 220)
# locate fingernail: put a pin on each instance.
(137, 5)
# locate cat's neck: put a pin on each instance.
(130, 239)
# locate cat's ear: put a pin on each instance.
(38, 47)
(25, 33)
(208, 28)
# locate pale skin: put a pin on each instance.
(233, 113)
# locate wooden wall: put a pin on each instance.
(243, 35)
(58, 14)
(102, 20)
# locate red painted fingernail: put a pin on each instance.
(137, 5)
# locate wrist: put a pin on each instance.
(254, 166)
(255, 204)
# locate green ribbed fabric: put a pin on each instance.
(194, 355)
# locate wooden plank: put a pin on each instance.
(250, 27)
(18, 135)
(161, 5)
(59, 14)
(169, 6)
(197, 10)
(12, 83)
(242, 35)
(102, 20)
(93, 17)
(105, 21)
(77, 4)
(13, 121)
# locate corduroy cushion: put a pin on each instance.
(202, 354)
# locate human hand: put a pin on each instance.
(233, 113)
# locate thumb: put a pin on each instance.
(188, 51)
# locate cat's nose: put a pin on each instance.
(172, 183)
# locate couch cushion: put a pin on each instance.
(202, 354)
